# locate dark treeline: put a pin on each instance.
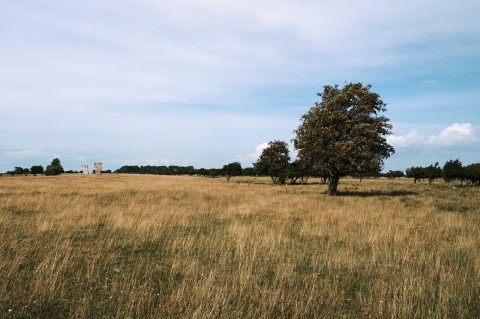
(157, 170)
(184, 170)
(452, 171)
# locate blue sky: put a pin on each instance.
(206, 83)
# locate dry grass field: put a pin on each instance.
(130, 246)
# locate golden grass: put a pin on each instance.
(130, 246)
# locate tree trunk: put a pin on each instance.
(332, 184)
(274, 181)
(253, 180)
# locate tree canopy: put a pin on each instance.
(55, 168)
(472, 173)
(231, 170)
(344, 133)
(394, 174)
(36, 169)
(274, 161)
(430, 172)
(452, 170)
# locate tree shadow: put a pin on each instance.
(375, 193)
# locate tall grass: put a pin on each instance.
(126, 246)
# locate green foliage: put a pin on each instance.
(55, 168)
(248, 171)
(299, 172)
(231, 170)
(394, 174)
(36, 169)
(432, 172)
(160, 170)
(56, 162)
(274, 161)
(415, 172)
(344, 133)
(472, 173)
(452, 170)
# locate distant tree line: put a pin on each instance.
(228, 170)
(452, 171)
(275, 162)
(55, 168)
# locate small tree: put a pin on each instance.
(18, 171)
(415, 172)
(472, 173)
(231, 170)
(274, 161)
(344, 133)
(55, 168)
(452, 170)
(432, 172)
(394, 174)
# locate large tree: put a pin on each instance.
(274, 161)
(344, 133)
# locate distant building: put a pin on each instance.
(85, 169)
(98, 168)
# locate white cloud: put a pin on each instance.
(457, 133)
(258, 151)
(410, 139)
(454, 134)
(253, 157)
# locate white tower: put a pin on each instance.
(98, 168)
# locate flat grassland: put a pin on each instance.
(131, 246)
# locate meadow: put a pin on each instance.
(145, 246)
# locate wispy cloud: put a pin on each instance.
(413, 138)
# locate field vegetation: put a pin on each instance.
(131, 246)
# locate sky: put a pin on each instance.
(208, 82)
